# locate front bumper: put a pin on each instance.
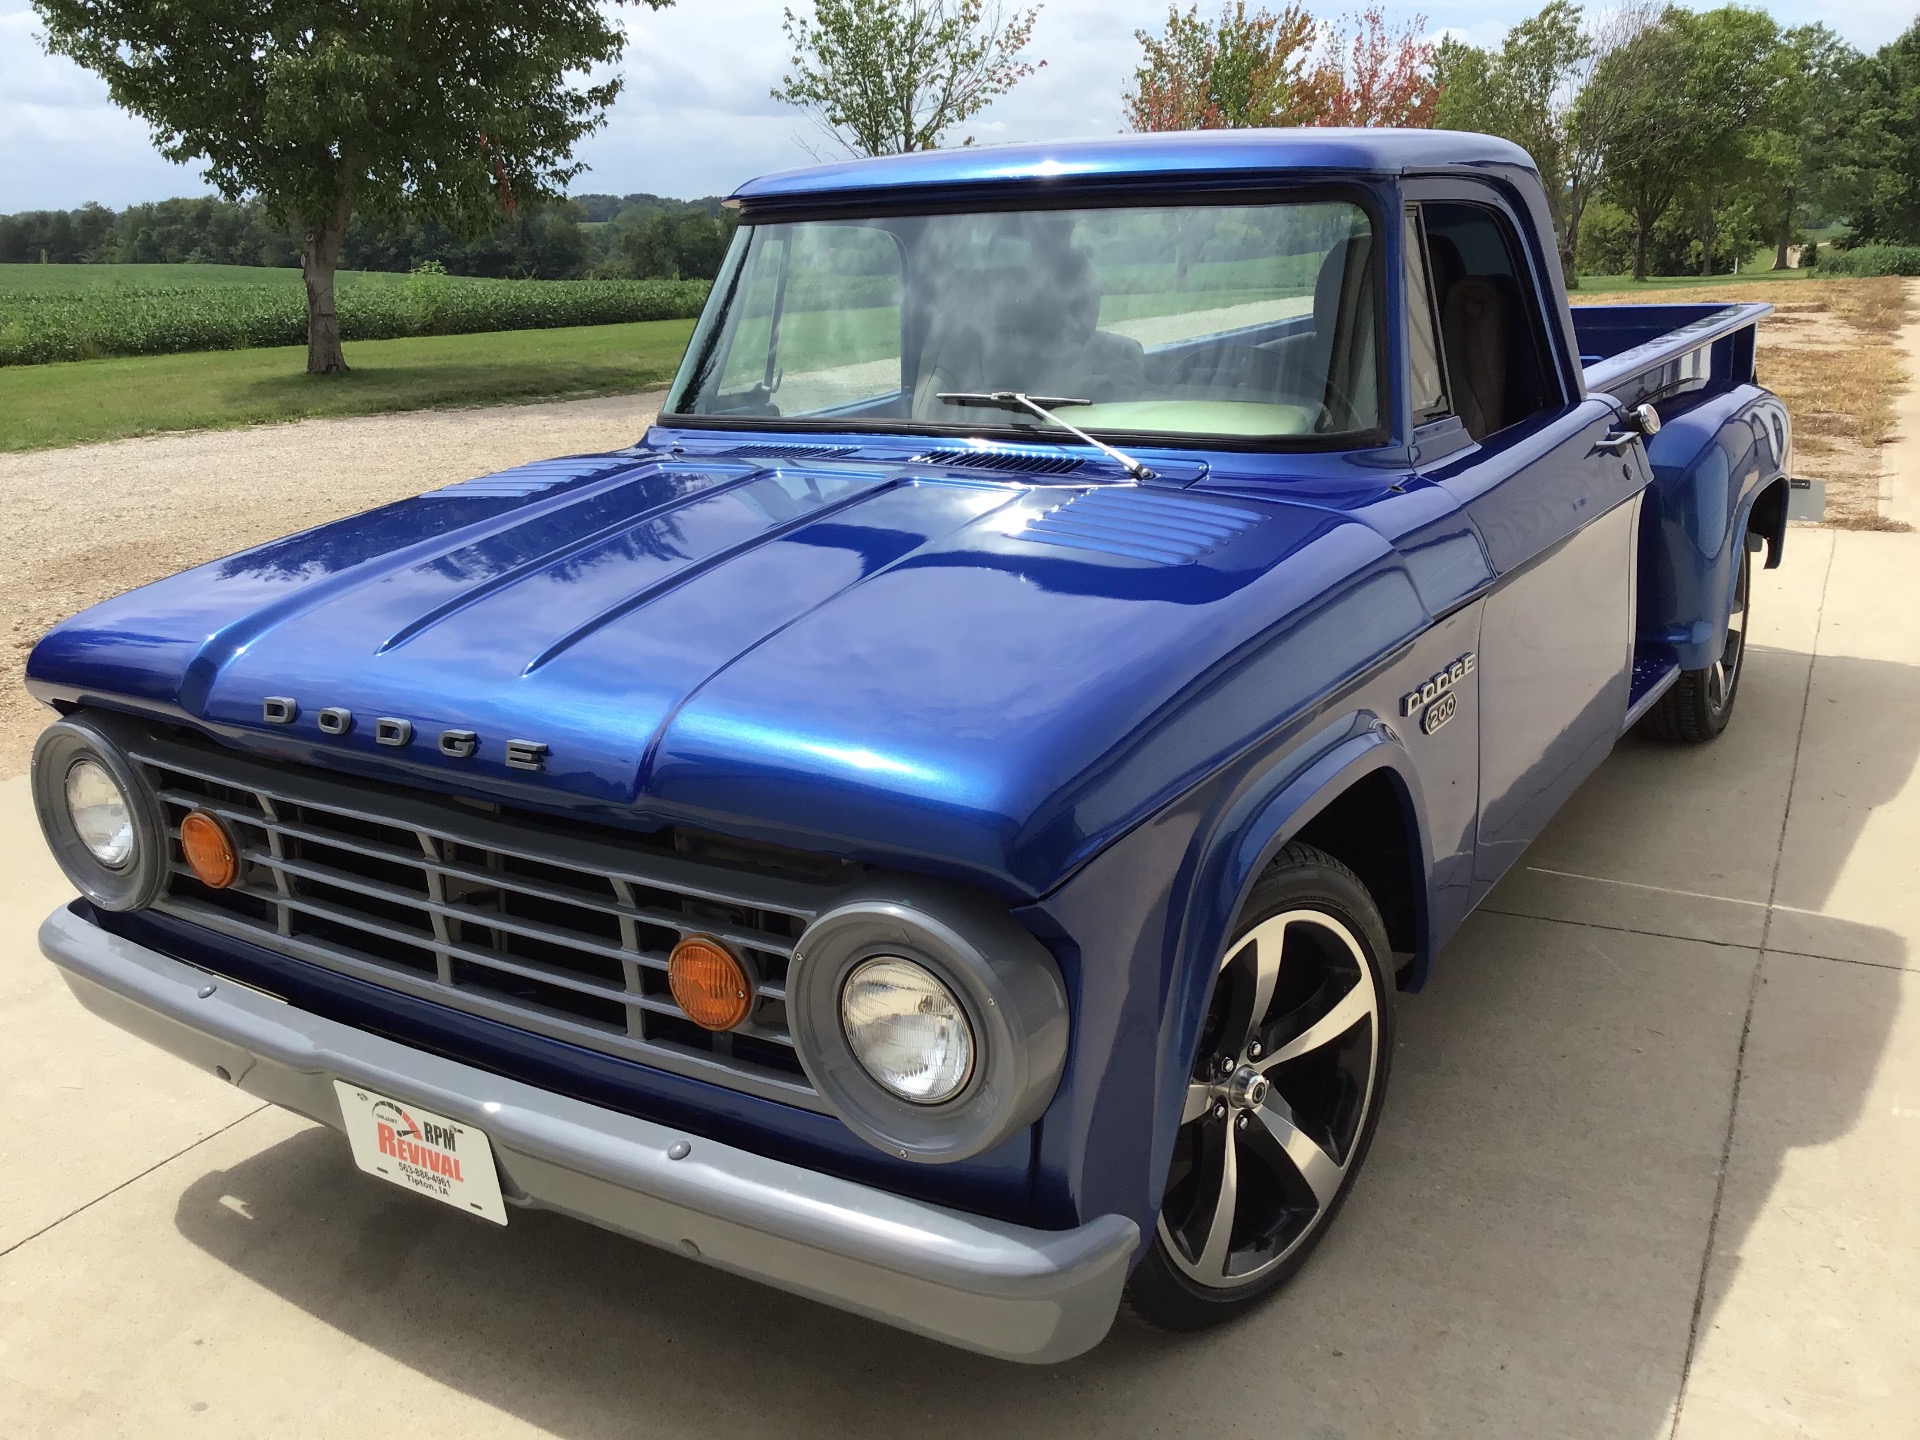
(1005, 1290)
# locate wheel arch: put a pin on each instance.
(1351, 773)
(1767, 518)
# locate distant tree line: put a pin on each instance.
(624, 237)
(1670, 141)
(1679, 142)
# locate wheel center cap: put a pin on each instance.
(1247, 1089)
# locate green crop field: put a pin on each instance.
(84, 312)
(70, 403)
(43, 279)
(1606, 284)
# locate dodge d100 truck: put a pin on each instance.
(939, 824)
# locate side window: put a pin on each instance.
(1423, 339)
(1492, 336)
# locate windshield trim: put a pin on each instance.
(707, 335)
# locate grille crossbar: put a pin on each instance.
(510, 917)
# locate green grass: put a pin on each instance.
(65, 279)
(1607, 284)
(74, 402)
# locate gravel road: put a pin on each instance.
(88, 522)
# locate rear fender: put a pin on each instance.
(1710, 464)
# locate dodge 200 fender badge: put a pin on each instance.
(1438, 687)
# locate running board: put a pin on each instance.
(1651, 680)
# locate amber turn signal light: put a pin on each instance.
(209, 850)
(709, 983)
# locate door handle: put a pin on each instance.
(1642, 421)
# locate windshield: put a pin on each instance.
(1214, 320)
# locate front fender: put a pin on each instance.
(1138, 930)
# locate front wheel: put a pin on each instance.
(1698, 705)
(1283, 1098)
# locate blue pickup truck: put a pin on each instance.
(940, 823)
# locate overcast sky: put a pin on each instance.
(695, 118)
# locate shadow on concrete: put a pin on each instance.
(1522, 1257)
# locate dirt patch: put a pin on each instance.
(1829, 351)
(89, 522)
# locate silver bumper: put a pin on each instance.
(1004, 1290)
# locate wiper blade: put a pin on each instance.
(1044, 406)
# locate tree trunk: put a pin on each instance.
(1785, 232)
(1576, 212)
(319, 256)
(1642, 228)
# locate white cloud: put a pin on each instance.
(696, 117)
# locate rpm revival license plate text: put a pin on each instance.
(421, 1151)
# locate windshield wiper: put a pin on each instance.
(1044, 406)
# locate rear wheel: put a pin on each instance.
(1698, 705)
(1283, 1098)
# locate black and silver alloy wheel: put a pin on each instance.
(1283, 1097)
(1698, 705)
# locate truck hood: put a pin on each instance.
(894, 663)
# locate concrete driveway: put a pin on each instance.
(1652, 1166)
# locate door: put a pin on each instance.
(1558, 516)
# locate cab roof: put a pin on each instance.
(1175, 156)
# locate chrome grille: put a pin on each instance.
(508, 916)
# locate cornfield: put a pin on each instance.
(85, 324)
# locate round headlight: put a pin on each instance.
(102, 821)
(930, 1020)
(907, 1030)
(102, 818)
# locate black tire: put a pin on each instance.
(1293, 1153)
(1697, 706)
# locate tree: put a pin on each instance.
(1524, 93)
(1795, 158)
(1377, 76)
(1595, 121)
(1883, 145)
(1740, 74)
(885, 77)
(1689, 86)
(449, 110)
(1239, 72)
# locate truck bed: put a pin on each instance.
(1640, 352)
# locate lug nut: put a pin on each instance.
(1226, 1064)
(1220, 1112)
(1242, 1122)
(1255, 1050)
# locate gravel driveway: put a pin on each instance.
(89, 522)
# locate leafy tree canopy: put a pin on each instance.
(1244, 70)
(1882, 145)
(1235, 73)
(884, 77)
(448, 110)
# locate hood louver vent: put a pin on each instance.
(524, 480)
(786, 452)
(1166, 529)
(1026, 462)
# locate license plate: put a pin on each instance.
(421, 1151)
